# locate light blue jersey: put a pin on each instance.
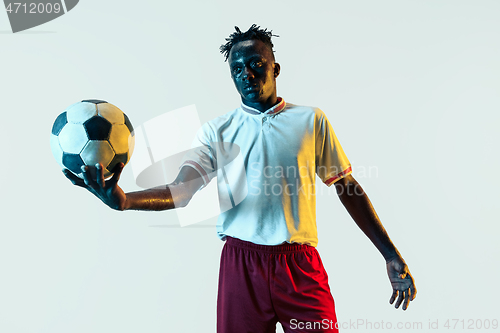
(282, 150)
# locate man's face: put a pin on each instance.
(254, 72)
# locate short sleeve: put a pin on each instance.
(331, 162)
(201, 156)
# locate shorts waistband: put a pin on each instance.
(282, 248)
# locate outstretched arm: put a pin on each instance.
(187, 183)
(358, 205)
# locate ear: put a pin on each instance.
(277, 69)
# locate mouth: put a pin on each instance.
(251, 87)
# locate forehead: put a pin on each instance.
(248, 49)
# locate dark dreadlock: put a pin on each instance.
(254, 32)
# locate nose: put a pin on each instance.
(248, 73)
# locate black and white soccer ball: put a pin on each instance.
(90, 132)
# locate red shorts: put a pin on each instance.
(262, 285)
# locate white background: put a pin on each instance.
(410, 87)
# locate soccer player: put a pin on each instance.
(270, 270)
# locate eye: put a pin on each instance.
(257, 64)
(236, 70)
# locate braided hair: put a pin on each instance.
(254, 32)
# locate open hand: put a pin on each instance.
(108, 191)
(402, 283)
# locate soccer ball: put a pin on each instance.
(90, 132)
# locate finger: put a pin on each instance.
(407, 300)
(393, 297)
(74, 179)
(117, 171)
(99, 175)
(413, 290)
(87, 178)
(400, 299)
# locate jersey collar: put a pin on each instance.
(274, 110)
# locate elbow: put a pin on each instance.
(182, 202)
(180, 194)
(348, 187)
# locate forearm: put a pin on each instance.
(155, 199)
(361, 210)
(174, 195)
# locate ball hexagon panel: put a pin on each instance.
(81, 112)
(56, 149)
(97, 128)
(61, 120)
(113, 114)
(73, 138)
(117, 159)
(72, 105)
(119, 138)
(98, 152)
(73, 162)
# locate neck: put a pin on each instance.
(263, 106)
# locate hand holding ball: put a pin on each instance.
(91, 132)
